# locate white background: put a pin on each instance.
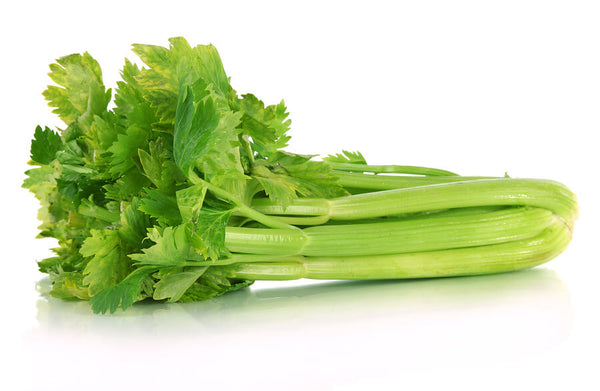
(476, 87)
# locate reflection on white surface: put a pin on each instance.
(355, 329)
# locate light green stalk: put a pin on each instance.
(495, 258)
(424, 233)
(539, 193)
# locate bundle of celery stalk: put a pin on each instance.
(183, 191)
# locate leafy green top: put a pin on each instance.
(139, 196)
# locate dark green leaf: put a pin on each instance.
(160, 206)
(125, 150)
(134, 224)
(207, 139)
(45, 144)
(123, 294)
(159, 167)
(129, 185)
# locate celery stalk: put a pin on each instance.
(424, 233)
(494, 258)
(540, 193)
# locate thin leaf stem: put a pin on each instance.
(240, 206)
(390, 169)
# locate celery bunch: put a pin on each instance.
(184, 191)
